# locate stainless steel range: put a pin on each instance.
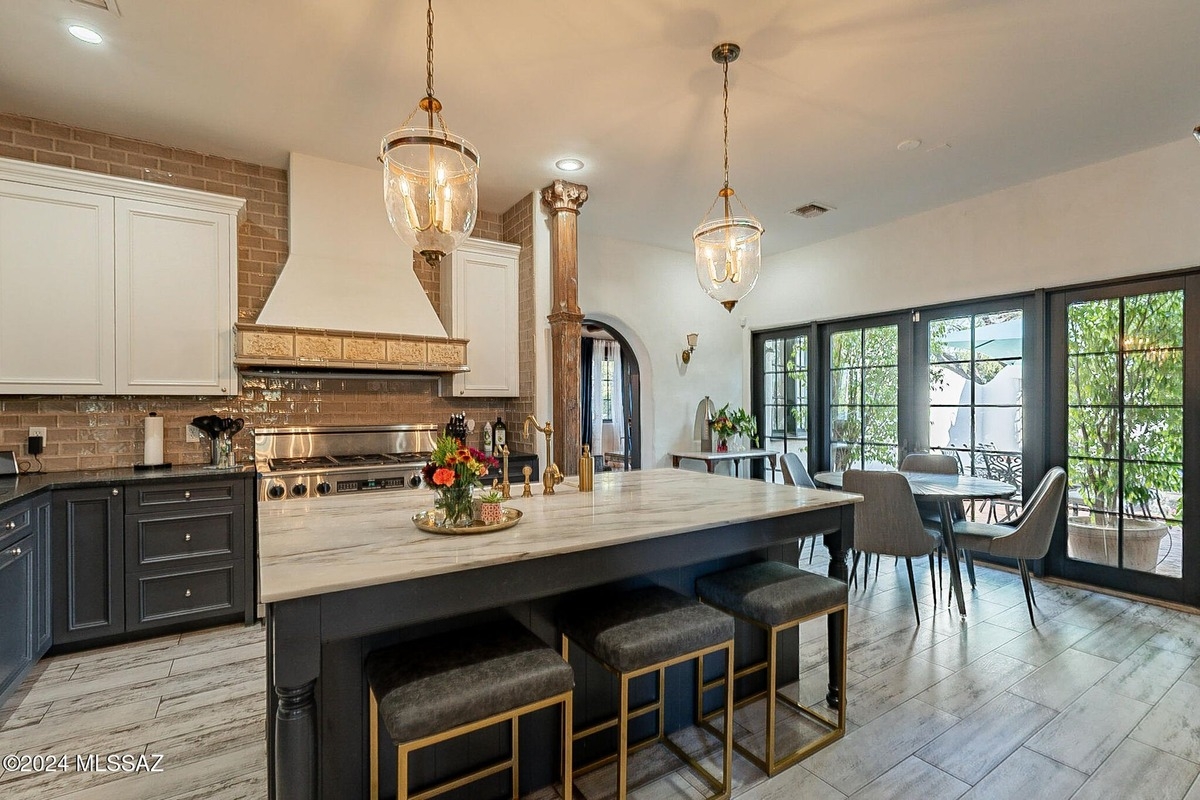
(325, 461)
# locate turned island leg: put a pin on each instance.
(294, 646)
(839, 545)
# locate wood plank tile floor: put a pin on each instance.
(1101, 700)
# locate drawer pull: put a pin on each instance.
(187, 537)
(187, 593)
(187, 495)
(116, 492)
(10, 526)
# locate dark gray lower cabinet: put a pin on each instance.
(89, 563)
(139, 557)
(24, 590)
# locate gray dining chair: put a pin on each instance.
(887, 522)
(794, 474)
(1028, 538)
(938, 464)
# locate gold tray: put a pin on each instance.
(425, 521)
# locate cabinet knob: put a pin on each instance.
(187, 593)
(10, 526)
(187, 537)
(116, 492)
(16, 551)
(187, 495)
(224, 390)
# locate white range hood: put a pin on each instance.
(347, 296)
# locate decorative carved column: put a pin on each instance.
(564, 198)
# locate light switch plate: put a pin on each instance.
(192, 434)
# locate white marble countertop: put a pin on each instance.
(310, 547)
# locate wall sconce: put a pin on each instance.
(1196, 132)
(691, 348)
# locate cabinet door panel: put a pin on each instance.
(89, 564)
(160, 539)
(18, 583)
(56, 278)
(480, 284)
(174, 301)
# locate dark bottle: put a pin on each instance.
(499, 437)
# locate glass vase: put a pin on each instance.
(457, 506)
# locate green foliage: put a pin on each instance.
(1125, 350)
(491, 497)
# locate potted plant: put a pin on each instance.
(490, 510)
(1148, 435)
(746, 425)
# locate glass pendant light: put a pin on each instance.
(729, 244)
(430, 175)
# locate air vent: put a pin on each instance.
(811, 210)
(109, 6)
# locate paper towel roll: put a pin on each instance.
(153, 454)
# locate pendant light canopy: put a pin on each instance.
(430, 175)
(728, 244)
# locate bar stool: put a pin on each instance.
(447, 685)
(638, 632)
(775, 597)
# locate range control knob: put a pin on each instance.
(275, 490)
(299, 490)
(324, 488)
(414, 481)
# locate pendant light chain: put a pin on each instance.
(429, 51)
(725, 67)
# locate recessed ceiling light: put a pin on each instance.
(569, 164)
(908, 144)
(84, 34)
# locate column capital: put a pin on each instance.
(565, 196)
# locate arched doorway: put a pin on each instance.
(610, 396)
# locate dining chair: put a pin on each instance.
(1028, 538)
(887, 522)
(794, 474)
(930, 512)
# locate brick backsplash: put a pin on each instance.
(101, 431)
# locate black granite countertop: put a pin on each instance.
(24, 486)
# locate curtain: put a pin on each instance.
(596, 390)
(613, 437)
(587, 376)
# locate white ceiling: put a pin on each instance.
(999, 92)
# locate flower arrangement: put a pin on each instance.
(727, 423)
(453, 472)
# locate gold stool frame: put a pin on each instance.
(773, 764)
(723, 787)
(405, 749)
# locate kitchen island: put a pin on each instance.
(341, 575)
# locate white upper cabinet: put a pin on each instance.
(114, 286)
(175, 308)
(56, 290)
(479, 302)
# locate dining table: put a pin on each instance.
(945, 491)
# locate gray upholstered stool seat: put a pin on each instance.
(632, 630)
(432, 689)
(771, 593)
(776, 597)
(642, 632)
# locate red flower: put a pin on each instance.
(443, 477)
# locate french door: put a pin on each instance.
(1123, 380)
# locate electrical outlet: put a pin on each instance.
(38, 432)
(192, 434)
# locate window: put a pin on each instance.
(784, 387)
(1125, 361)
(864, 398)
(975, 398)
(607, 365)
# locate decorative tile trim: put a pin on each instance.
(274, 346)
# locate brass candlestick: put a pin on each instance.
(505, 488)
